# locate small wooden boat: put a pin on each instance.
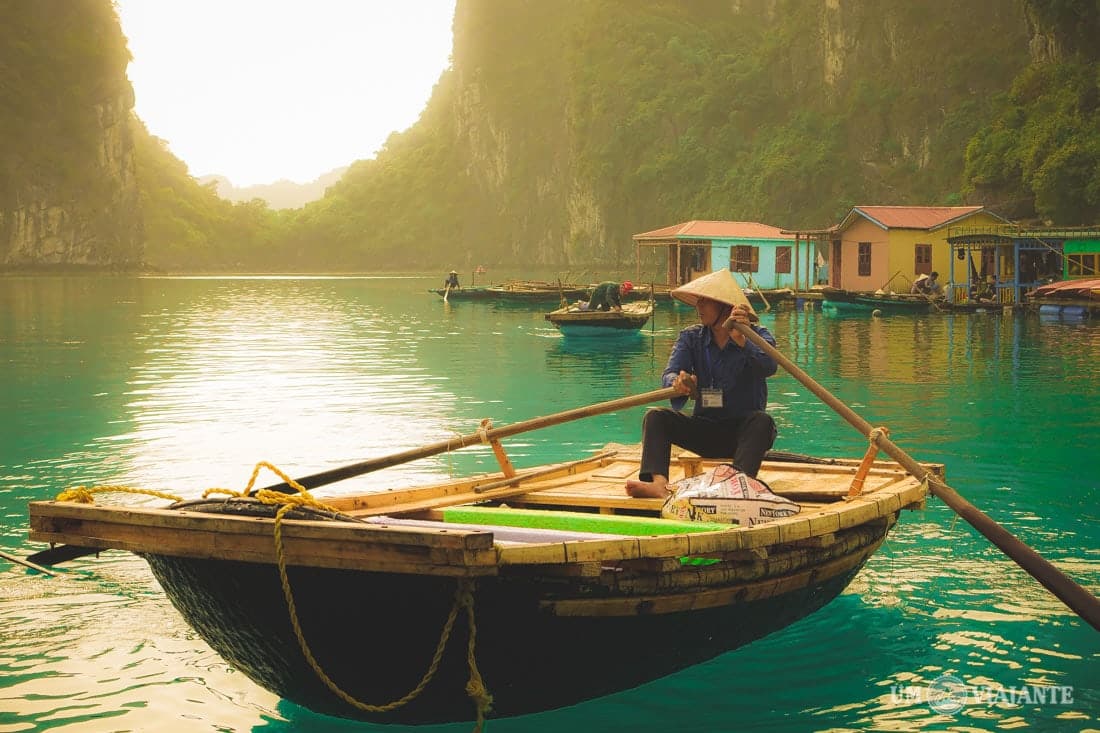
(837, 300)
(475, 292)
(574, 320)
(516, 291)
(572, 591)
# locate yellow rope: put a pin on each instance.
(83, 494)
(464, 594)
(463, 599)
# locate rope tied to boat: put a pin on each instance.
(463, 599)
(865, 465)
(84, 494)
(483, 430)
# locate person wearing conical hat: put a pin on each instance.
(920, 286)
(451, 283)
(726, 373)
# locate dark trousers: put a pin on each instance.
(746, 438)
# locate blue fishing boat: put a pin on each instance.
(578, 320)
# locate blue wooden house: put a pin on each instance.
(760, 256)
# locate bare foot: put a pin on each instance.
(655, 489)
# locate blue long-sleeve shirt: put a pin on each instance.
(741, 372)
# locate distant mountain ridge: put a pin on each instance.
(281, 194)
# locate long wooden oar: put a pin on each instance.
(25, 563)
(1079, 600)
(62, 553)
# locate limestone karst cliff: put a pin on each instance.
(68, 194)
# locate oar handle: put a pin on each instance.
(375, 464)
(1079, 600)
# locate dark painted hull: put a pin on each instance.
(845, 300)
(601, 323)
(374, 635)
(500, 294)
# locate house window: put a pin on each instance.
(864, 259)
(1081, 265)
(782, 260)
(922, 259)
(744, 259)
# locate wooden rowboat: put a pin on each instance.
(572, 591)
(517, 292)
(839, 301)
(573, 321)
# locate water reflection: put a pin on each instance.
(186, 383)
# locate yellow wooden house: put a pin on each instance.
(887, 247)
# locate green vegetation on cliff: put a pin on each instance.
(563, 128)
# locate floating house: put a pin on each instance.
(761, 256)
(1016, 260)
(887, 247)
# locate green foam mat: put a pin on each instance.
(575, 521)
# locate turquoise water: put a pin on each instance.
(182, 384)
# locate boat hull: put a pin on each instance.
(574, 322)
(844, 301)
(511, 293)
(374, 634)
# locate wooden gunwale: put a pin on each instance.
(343, 545)
(452, 551)
(694, 600)
(781, 531)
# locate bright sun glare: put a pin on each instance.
(262, 90)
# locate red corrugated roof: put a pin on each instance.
(722, 229)
(911, 217)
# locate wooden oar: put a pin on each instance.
(1079, 600)
(890, 280)
(446, 292)
(62, 553)
(25, 563)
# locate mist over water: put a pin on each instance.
(181, 384)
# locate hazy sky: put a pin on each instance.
(259, 90)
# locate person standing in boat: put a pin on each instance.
(726, 373)
(451, 283)
(608, 296)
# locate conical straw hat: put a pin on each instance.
(718, 286)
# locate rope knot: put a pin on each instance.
(483, 430)
(876, 433)
(78, 494)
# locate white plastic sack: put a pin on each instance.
(726, 495)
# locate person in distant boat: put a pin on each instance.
(608, 296)
(927, 285)
(451, 283)
(726, 373)
(935, 288)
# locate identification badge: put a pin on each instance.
(711, 397)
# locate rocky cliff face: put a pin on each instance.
(585, 123)
(68, 193)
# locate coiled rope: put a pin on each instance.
(463, 599)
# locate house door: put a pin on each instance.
(694, 263)
(834, 265)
